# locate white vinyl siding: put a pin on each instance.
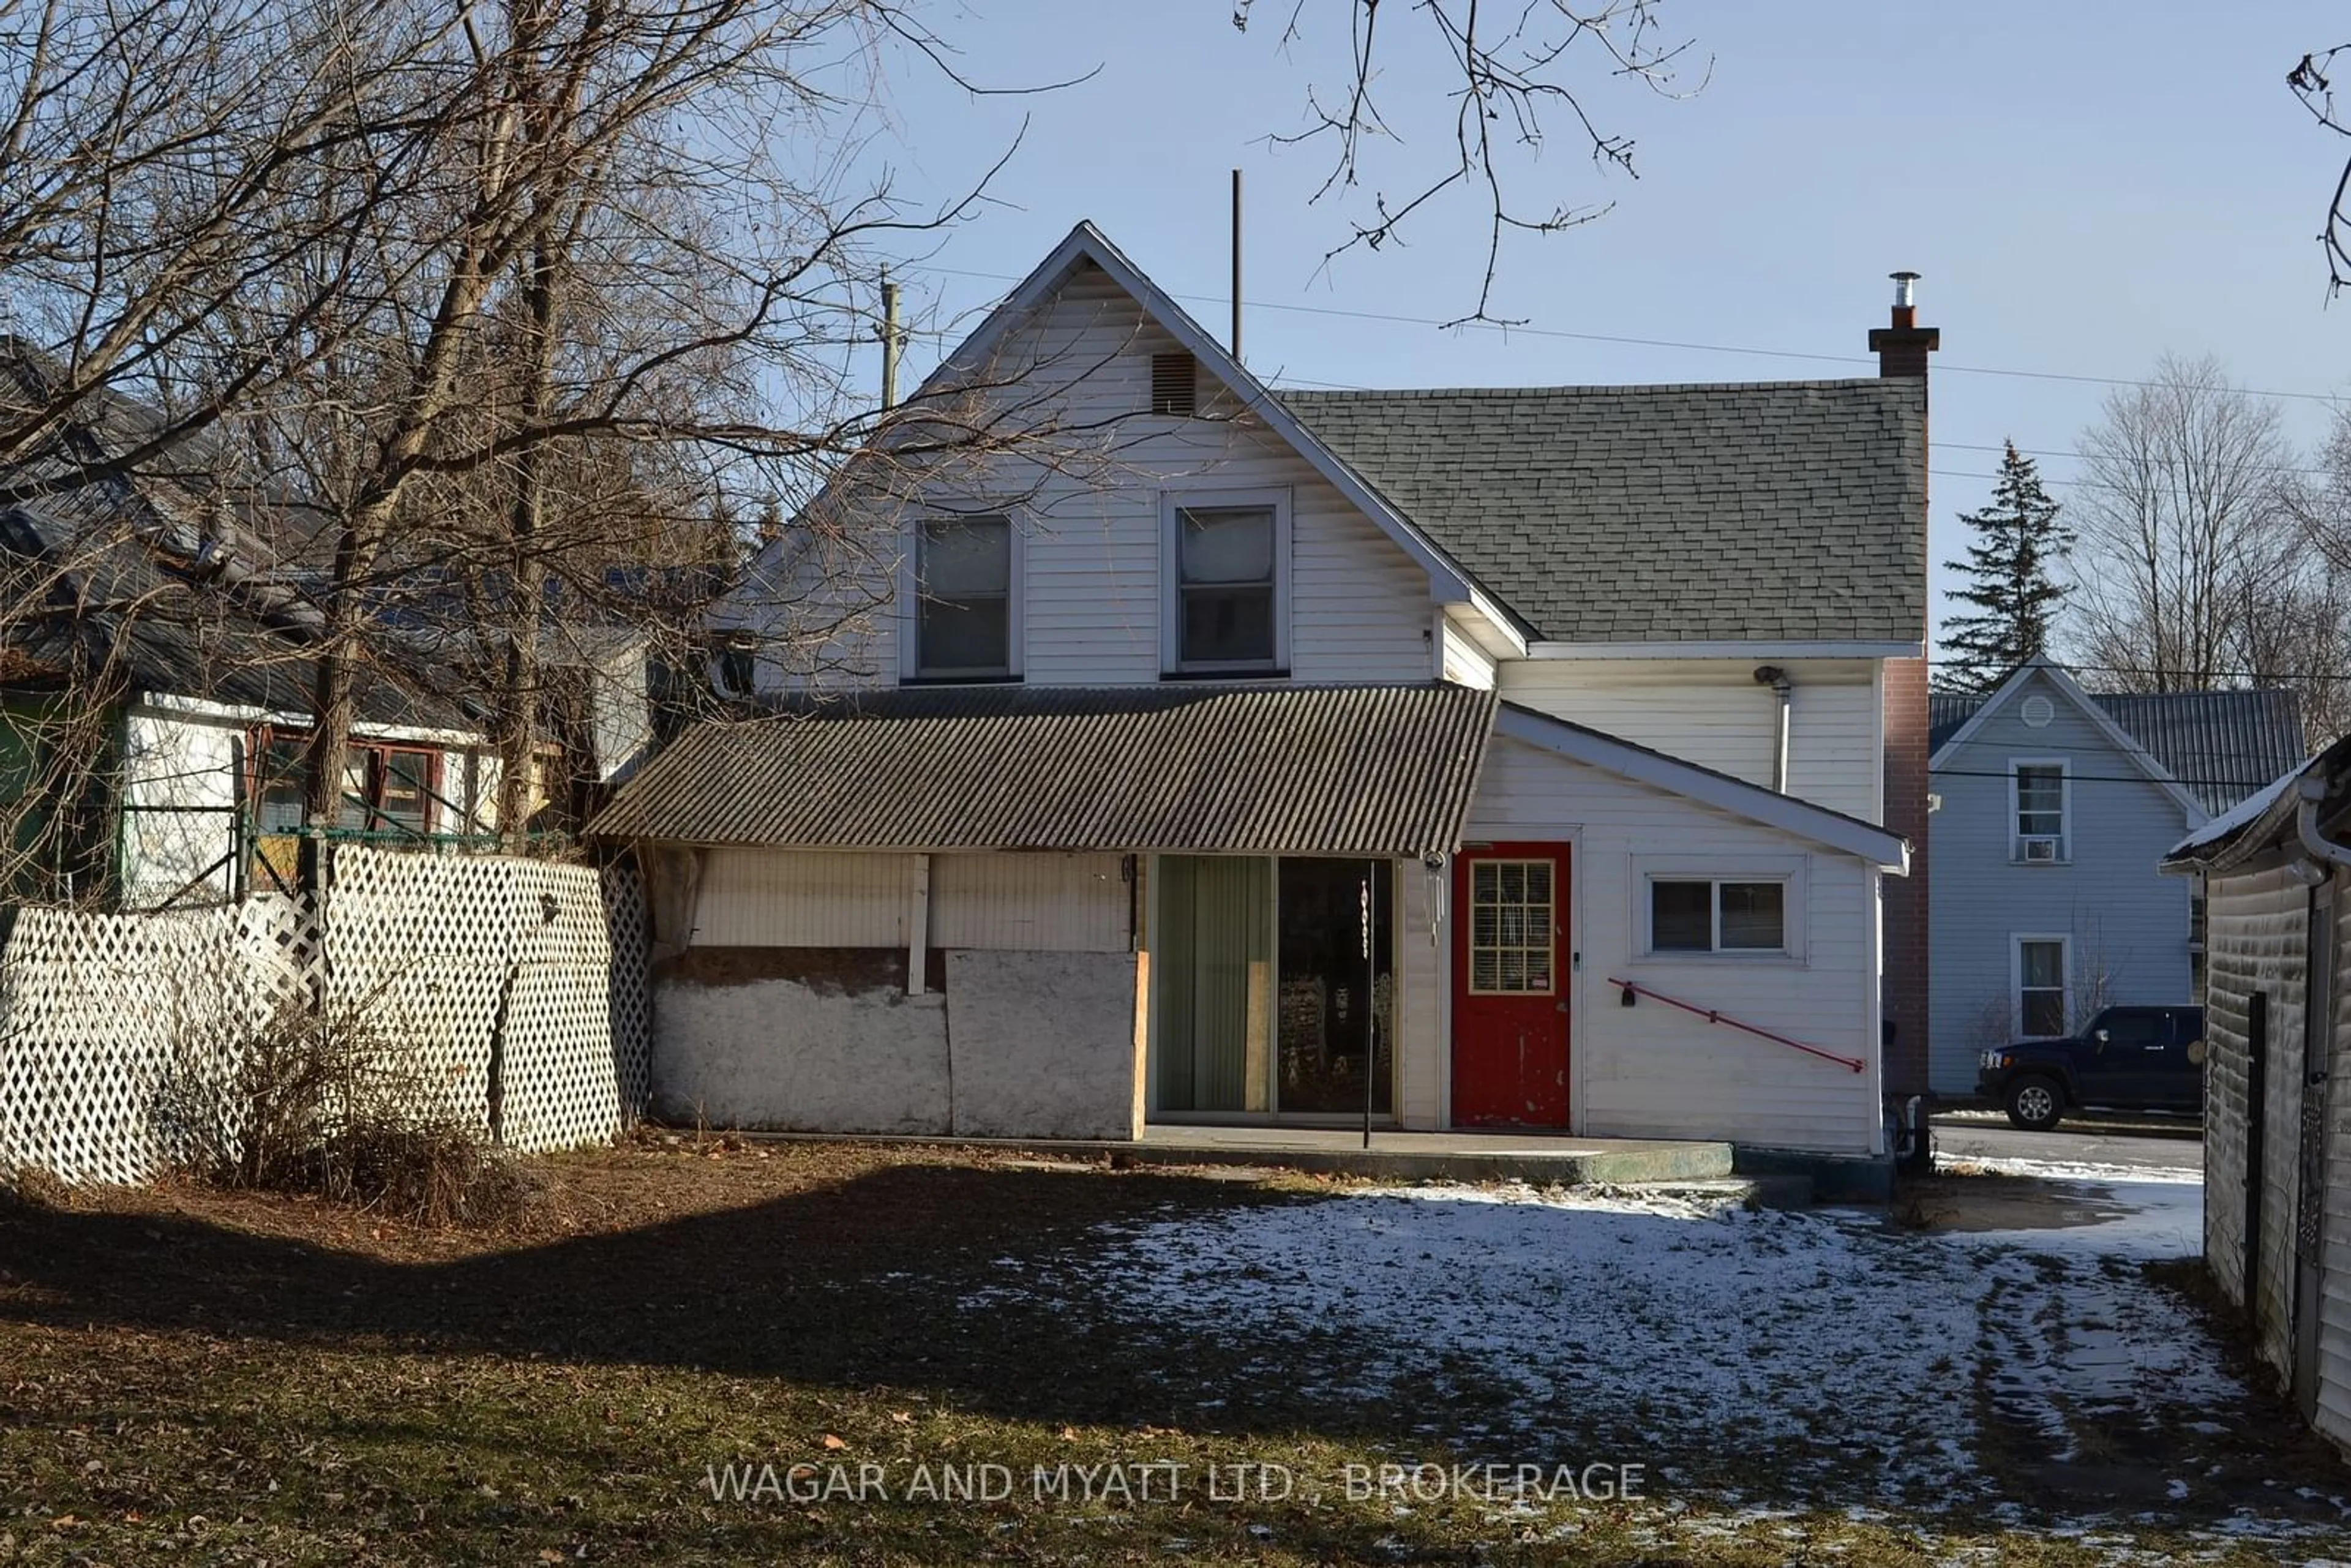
(1030, 903)
(788, 898)
(1464, 662)
(824, 898)
(1651, 1070)
(1713, 712)
(1358, 608)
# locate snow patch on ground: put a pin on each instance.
(1679, 1327)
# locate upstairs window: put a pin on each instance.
(964, 606)
(1227, 560)
(2038, 793)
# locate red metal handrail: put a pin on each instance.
(1711, 1016)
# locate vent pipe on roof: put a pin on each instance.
(1902, 345)
(1775, 677)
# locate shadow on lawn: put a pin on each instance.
(853, 1284)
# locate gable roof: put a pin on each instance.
(2221, 747)
(1761, 511)
(1769, 512)
(1644, 765)
(1086, 243)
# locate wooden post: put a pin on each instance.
(918, 928)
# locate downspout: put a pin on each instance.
(2312, 793)
(1783, 688)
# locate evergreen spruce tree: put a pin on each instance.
(2015, 545)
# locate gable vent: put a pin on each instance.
(1175, 385)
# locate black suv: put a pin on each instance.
(2125, 1059)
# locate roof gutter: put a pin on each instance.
(2311, 793)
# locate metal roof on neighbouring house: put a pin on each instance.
(1741, 511)
(1335, 770)
(2220, 746)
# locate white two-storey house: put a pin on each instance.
(1126, 743)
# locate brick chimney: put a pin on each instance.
(1902, 348)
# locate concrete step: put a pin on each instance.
(1783, 1191)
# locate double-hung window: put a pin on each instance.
(1227, 569)
(965, 599)
(2039, 795)
(1692, 914)
(2040, 986)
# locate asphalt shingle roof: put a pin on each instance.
(1267, 770)
(2220, 746)
(1741, 511)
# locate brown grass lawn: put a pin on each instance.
(190, 1375)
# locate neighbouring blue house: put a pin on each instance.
(2050, 808)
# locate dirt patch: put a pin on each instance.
(1985, 1201)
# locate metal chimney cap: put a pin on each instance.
(1902, 282)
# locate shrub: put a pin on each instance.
(324, 1103)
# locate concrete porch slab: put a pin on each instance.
(1544, 1159)
(1537, 1158)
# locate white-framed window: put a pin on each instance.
(1225, 568)
(1513, 928)
(2040, 811)
(965, 623)
(2038, 967)
(1733, 910)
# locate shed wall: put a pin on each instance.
(2257, 925)
(1651, 1070)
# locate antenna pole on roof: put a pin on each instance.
(1237, 264)
(889, 342)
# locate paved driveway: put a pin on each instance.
(1969, 1137)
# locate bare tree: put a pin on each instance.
(2186, 531)
(1512, 74)
(2310, 83)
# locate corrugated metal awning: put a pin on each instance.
(1269, 769)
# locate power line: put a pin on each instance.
(2071, 777)
(1626, 341)
(2152, 673)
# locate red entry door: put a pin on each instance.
(1509, 985)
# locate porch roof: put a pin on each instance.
(1385, 770)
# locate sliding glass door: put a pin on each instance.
(1275, 985)
(1213, 972)
(1337, 964)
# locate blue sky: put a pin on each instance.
(2083, 185)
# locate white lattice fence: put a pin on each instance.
(520, 985)
(92, 1009)
(521, 973)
